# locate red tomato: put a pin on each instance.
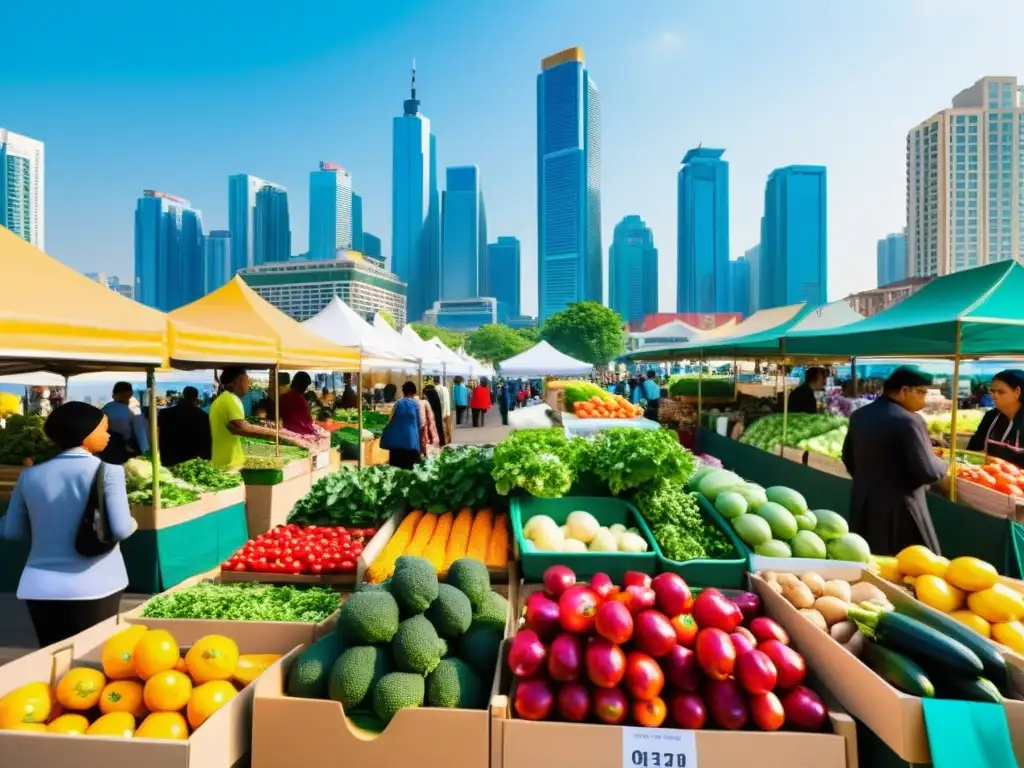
(317, 569)
(686, 629)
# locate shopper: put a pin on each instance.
(504, 401)
(66, 593)
(295, 408)
(401, 436)
(436, 412)
(227, 421)
(184, 430)
(803, 399)
(480, 402)
(460, 398)
(128, 436)
(651, 393)
(348, 394)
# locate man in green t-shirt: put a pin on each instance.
(227, 421)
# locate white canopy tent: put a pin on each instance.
(399, 341)
(453, 364)
(543, 360)
(433, 360)
(339, 323)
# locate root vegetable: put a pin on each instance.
(838, 588)
(798, 593)
(815, 618)
(863, 591)
(775, 587)
(815, 582)
(787, 578)
(842, 631)
(855, 644)
(833, 609)
(770, 577)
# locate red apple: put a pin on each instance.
(573, 702)
(654, 634)
(577, 607)
(602, 584)
(688, 711)
(605, 662)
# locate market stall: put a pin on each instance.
(542, 360)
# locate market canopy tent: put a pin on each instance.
(428, 353)
(237, 311)
(453, 364)
(673, 329)
(973, 313)
(339, 323)
(543, 360)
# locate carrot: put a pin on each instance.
(480, 535)
(497, 547)
(459, 538)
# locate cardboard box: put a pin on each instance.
(267, 506)
(425, 737)
(222, 740)
(153, 519)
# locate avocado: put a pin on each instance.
(356, 672)
(310, 674)
(416, 646)
(471, 578)
(451, 613)
(414, 585)
(395, 691)
(368, 617)
(454, 684)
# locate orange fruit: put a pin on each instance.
(31, 703)
(70, 725)
(207, 699)
(116, 656)
(213, 657)
(80, 689)
(252, 665)
(163, 725)
(155, 652)
(167, 691)
(123, 696)
(119, 724)
(180, 666)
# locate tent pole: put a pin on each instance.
(154, 444)
(785, 399)
(277, 410)
(956, 408)
(359, 405)
(853, 374)
(700, 390)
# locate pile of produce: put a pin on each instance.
(718, 387)
(263, 454)
(23, 442)
(443, 539)
(373, 421)
(148, 689)
(775, 522)
(409, 642)
(628, 459)
(941, 424)
(174, 492)
(541, 462)
(200, 473)
(766, 432)
(589, 401)
(652, 654)
(828, 444)
(918, 651)
(581, 392)
(581, 533)
(459, 476)
(244, 602)
(352, 498)
(347, 440)
(677, 524)
(996, 474)
(313, 550)
(318, 442)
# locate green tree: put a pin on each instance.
(493, 343)
(531, 334)
(451, 339)
(587, 331)
(387, 317)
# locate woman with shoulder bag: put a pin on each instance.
(401, 436)
(74, 509)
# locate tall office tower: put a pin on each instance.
(216, 260)
(891, 259)
(965, 181)
(330, 211)
(569, 255)
(633, 270)
(372, 249)
(503, 268)
(357, 222)
(702, 216)
(242, 191)
(739, 285)
(753, 258)
(22, 187)
(169, 270)
(463, 234)
(415, 207)
(794, 244)
(273, 232)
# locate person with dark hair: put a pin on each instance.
(480, 402)
(275, 391)
(128, 435)
(889, 455)
(66, 593)
(436, 412)
(348, 394)
(402, 434)
(460, 398)
(295, 414)
(651, 393)
(227, 421)
(803, 398)
(999, 434)
(184, 430)
(390, 392)
(505, 401)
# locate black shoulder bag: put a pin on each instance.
(94, 537)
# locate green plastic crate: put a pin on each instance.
(729, 574)
(608, 511)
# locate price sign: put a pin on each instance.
(658, 748)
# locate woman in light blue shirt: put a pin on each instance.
(460, 398)
(66, 593)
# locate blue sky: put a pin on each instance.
(176, 98)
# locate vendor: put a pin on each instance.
(348, 394)
(184, 430)
(999, 433)
(275, 391)
(227, 421)
(889, 456)
(295, 413)
(804, 399)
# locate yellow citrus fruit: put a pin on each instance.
(252, 665)
(213, 657)
(30, 727)
(80, 689)
(207, 699)
(119, 724)
(155, 652)
(116, 655)
(71, 725)
(180, 666)
(163, 725)
(167, 692)
(32, 703)
(123, 696)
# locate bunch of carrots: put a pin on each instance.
(607, 407)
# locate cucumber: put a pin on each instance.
(964, 689)
(897, 670)
(919, 641)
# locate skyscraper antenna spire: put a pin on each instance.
(414, 79)
(412, 104)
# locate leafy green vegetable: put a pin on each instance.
(244, 602)
(256, 447)
(351, 497)
(174, 492)
(628, 458)
(766, 432)
(710, 386)
(170, 496)
(347, 441)
(457, 477)
(24, 439)
(373, 421)
(678, 526)
(202, 474)
(541, 462)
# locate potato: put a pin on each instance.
(770, 577)
(815, 582)
(833, 609)
(799, 594)
(838, 588)
(815, 618)
(842, 631)
(775, 587)
(862, 591)
(787, 578)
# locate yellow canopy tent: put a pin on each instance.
(236, 309)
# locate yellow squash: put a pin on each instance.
(888, 568)
(117, 724)
(163, 725)
(974, 621)
(213, 657)
(1010, 634)
(998, 604)
(79, 690)
(971, 574)
(69, 725)
(116, 656)
(918, 560)
(31, 703)
(938, 593)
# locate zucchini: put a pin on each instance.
(965, 689)
(909, 636)
(898, 671)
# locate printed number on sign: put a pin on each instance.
(658, 759)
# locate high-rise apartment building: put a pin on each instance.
(632, 270)
(463, 234)
(357, 222)
(415, 207)
(965, 181)
(330, 211)
(569, 255)
(22, 187)
(242, 201)
(794, 242)
(169, 270)
(503, 257)
(272, 226)
(753, 258)
(891, 259)
(216, 260)
(739, 285)
(702, 215)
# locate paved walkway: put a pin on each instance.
(493, 432)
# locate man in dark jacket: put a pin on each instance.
(184, 430)
(803, 398)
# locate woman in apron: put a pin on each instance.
(999, 434)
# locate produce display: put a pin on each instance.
(677, 524)
(373, 421)
(347, 440)
(828, 444)
(174, 492)
(967, 422)
(244, 602)
(542, 462)
(996, 474)
(442, 539)
(718, 387)
(775, 522)
(351, 498)
(589, 401)
(315, 443)
(766, 432)
(651, 654)
(459, 476)
(410, 642)
(311, 550)
(581, 533)
(23, 442)
(200, 473)
(574, 392)
(149, 688)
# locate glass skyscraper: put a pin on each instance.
(569, 254)
(169, 268)
(891, 259)
(272, 226)
(753, 258)
(739, 285)
(22, 187)
(702, 215)
(216, 260)
(372, 247)
(415, 207)
(330, 211)
(794, 245)
(633, 270)
(242, 191)
(357, 223)
(503, 268)
(463, 234)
